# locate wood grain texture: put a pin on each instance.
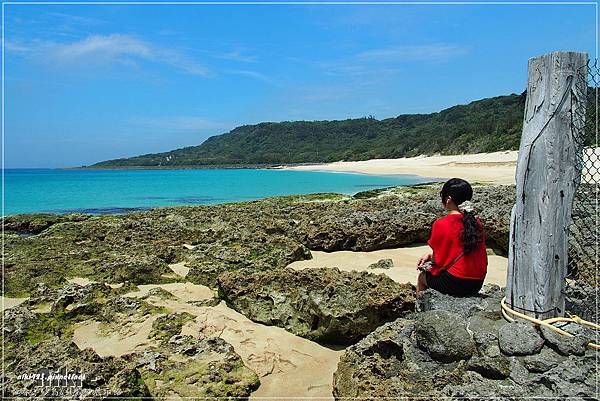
(547, 176)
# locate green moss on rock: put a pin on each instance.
(169, 325)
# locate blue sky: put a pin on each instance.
(85, 83)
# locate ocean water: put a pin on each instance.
(120, 191)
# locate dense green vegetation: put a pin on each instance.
(482, 126)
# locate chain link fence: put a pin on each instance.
(581, 290)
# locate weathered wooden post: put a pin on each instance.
(547, 177)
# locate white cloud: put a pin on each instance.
(253, 74)
(111, 49)
(358, 69)
(433, 53)
(105, 48)
(386, 61)
(237, 56)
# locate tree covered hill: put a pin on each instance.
(485, 125)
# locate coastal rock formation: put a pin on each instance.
(189, 367)
(425, 358)
(519, 339)
(107, 282)
(31, 224)
(371, 230)
(401, 216)
(493, 205)
(416, 209)
(28, 370)
(167, 326)
(261, 235)
(243, 250)
(50, 333)
(325, 305)
(443, 335)
(564, 345)
(382, 264)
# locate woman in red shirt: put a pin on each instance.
(459, 257)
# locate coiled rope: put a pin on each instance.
(506, 310)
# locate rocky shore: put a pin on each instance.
(200, 302)
(261, 235)
(463, 348)
(324, 305)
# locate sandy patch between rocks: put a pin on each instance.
(82, 281)
(7, 303)
(180, 269)
(130, 337)
(43, 308)
(405, 259)
(288, 366)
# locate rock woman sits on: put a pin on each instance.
(458, 264)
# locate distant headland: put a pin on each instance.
(486, 125)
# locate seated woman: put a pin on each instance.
(459, 258)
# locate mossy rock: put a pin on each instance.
(165, 327)
(197, 368)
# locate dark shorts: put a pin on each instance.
(446, 283)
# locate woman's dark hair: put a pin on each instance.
(460, 191)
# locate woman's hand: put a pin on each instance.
(425, 258)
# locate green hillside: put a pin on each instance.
(482, 126)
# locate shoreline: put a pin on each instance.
(257, 166)
(490, 168)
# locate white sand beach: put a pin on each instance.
(494, 168)
(405, 259)
(490, 168)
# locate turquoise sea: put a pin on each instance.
(120, 191)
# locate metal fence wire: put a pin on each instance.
(581, 289)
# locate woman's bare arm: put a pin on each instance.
(425, 258)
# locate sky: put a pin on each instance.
(86, 83)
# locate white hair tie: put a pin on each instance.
(467, 206)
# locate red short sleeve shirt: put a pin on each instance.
(446, 245)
